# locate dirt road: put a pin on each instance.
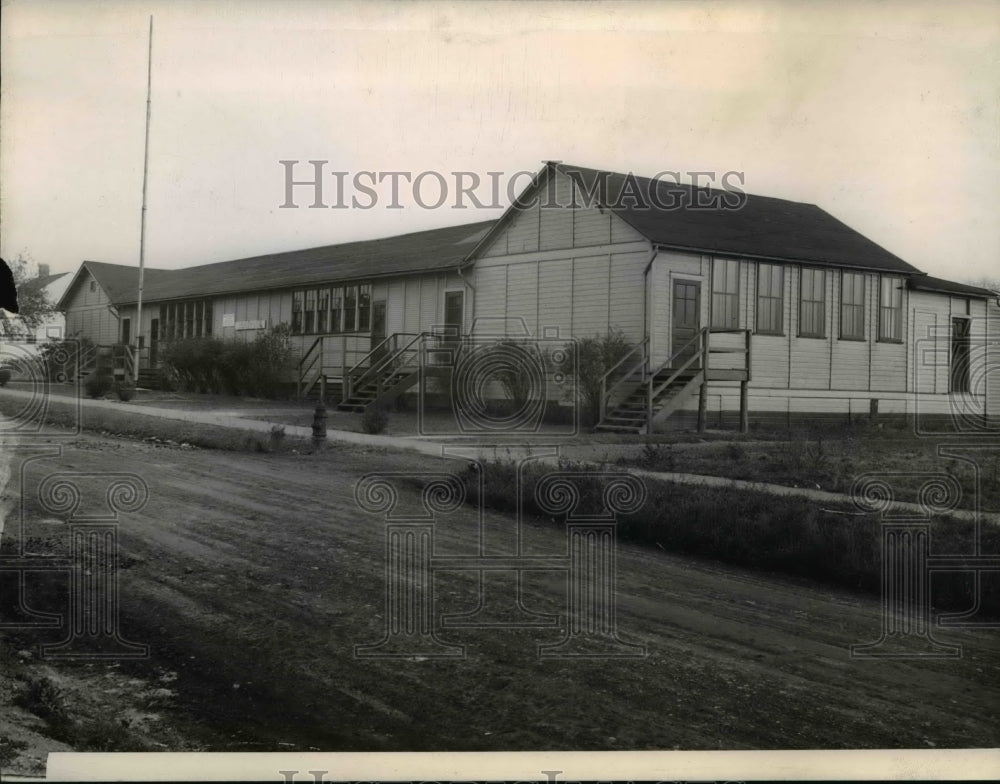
(252, 578)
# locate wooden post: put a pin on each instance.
(744, 418)
(649, 405)
(702, 405)
(703, 390)
(345, 382)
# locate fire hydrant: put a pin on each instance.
(319, 426)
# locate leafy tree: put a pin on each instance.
(33, 304)
(985, 282)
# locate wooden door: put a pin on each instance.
(454, 313)
(154, 342)
(959, 355)
(686, 320)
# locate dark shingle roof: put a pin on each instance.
(121, 281)
(927, 283)
(763, 227)
(420, 251)
(37, 284)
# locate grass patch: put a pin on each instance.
(127, 423)
(784, 534)
(827, 459)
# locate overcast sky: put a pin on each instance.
(886, 115)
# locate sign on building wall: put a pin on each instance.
(228, 319)
(251, 324)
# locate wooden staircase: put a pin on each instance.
(378, 377)
(631, 414)
(635, 398)
(385, 373)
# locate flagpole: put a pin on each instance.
(142, 223)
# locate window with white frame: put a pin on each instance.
(338, 309)
(189, 319)
(725, 294)
(852, 306)
(812, 303)
(890, 309)
(770, 299)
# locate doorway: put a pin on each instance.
(960, 355)
(454, 314)
(154, 342)
(686, 320)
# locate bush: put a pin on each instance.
(235, 367)
(43, 698)
(787, 534)
(61, 357)
(98, 384)
(4, 376)
(126, 391)
(595, 357)
(374, 420)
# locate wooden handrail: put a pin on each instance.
(700, 336)
(605, 391)
(378, 367)
(377, 348)
(317, 341)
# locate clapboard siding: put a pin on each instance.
(627, 308)
(522, 295)
(88, 314)
(809, 357)
(555, 306)
(667, 267)
(551, 224)
(591, 296)
(555, 215)
(991, 357)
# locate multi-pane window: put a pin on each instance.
(350, 308)
(322, 309)
(297, 297)
(309, 311)
(336, 309)
(190, 319)
(890, 310)
(852, 306)
(725, 293)
(812, 303)
(364, 307)
(325, 310)
(770, 299)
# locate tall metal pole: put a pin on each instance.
(142, 223)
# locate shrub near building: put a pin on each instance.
(259, 367)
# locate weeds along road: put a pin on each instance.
(254, 576)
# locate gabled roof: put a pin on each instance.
(940, 285)
(119, 281)
(37, 284)
(761, 227)
(422, 251)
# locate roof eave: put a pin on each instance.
(336, 282)
(783, 259)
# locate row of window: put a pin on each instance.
(812, 301)
(191, 319)
(332, 309)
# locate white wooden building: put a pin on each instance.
(728, 298)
